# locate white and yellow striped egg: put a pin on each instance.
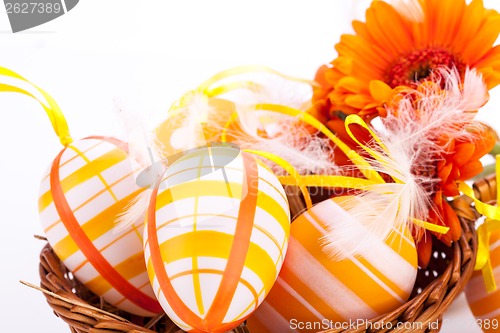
(83, 192)
(217, 231)
(314, 289)
(192, 125)
(486, 306)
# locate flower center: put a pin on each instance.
(418, 65)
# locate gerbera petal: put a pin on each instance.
(444, 172)
(362, 31)
(483, 144)
(378, 33)
(451, 189)
(424, 250)
(490, 58)
(483, 41)
(448, 24)
(492, 78)
(463, 153)
(358, 101)
(471, 22)
(321, 76)
(400, 36)
(343, 64)
(452, 221)
(470, 170)
(379, 90)
(351, 84)
(363, 51)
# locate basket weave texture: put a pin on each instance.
(436, 287)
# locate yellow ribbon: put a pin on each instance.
(52, 109)
(373, 177)
(206, 87)
(489, 226)
(211, 88)
(294, 174)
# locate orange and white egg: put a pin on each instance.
(486, 306)
(88, 185)
(217, 231)
(314, 289)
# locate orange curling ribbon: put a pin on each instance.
(490, 225)
(50, 106)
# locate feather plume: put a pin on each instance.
(283, 136)
(432, 113)
(410, 133)
(410, 9)
(276, 133)
(146, 165)
(381, 208)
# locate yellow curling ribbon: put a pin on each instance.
(489, 226)
(330, 181)
(55, 114)
(355, 119)
(210, 89)
(206, 86)
(288, 168)
(357, 159)
(373, 176)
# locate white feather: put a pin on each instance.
(276, 133)
(134, 213)
(381, 208)
(410, 9)
(410, 136)
(146, 165)
(438, 112)
(285, 137)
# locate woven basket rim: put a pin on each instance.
(426, 307)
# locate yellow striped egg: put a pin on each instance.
(486, 306)
(217, 232)
(182, 131)
(83, 192)
(313, 290)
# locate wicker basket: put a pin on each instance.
(436, 287)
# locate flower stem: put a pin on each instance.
(496, 150)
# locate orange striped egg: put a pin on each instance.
(83, 192)
(486, 306)
(313, 290)
(216, 237)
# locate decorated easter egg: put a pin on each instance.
(313, 290)
(89, 184)
(195, 124)
(486, 306)
(217, 231)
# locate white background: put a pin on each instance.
(142, 55)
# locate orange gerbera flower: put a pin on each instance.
(393, 49)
